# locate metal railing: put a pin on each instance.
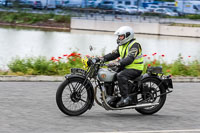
(110, 15)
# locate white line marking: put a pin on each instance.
(155, 131)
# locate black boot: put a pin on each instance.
(124, 102)
(112, 100)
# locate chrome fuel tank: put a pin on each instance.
(106, 75)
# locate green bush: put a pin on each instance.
(62, 19)
(30, 18)
(194, 68)
(18, 65)
(43, 66)
(193, 16)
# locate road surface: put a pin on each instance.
(30, 107)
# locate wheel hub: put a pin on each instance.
(75, 97)
(153, 94)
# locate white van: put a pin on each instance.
(189, 7)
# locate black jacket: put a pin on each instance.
(132, 53)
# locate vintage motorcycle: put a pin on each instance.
(77, 93)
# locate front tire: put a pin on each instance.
(156, 89)
(70, 100)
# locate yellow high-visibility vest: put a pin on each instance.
(138, 62)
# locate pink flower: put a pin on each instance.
(163, 55)
(189, 56)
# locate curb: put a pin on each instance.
(31, 78)
(186, 79)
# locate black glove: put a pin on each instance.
(117, 64)
(99, 59)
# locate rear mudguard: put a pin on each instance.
(71, 76)
(162, 81)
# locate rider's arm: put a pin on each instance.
(111, 56)
(133, 52)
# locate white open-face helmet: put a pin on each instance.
(127, 32)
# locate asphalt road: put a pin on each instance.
(30, 107)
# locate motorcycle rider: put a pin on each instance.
(131, 63)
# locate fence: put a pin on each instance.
(108, 15)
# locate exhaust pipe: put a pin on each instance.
(145, 105)
(138, 106)
(108, 107)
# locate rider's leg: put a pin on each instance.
(123, 78)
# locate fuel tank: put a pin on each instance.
(106, 75)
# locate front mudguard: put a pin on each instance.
(91, 89)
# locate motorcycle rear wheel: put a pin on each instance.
(156, 90)
(71, 101)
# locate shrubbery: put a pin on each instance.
(62, 65)
(178, 67)
(193, 16)
(30, 18)
(44, 66)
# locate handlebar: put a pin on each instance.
(99, 62)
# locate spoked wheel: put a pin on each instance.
(73, 97)
(155, 94)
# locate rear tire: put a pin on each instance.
(156, 89)
(68, 98)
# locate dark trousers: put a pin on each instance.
(123, 77)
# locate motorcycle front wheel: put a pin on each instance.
(156, 94)
(73, 98)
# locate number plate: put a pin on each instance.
(78, 71)
(169, 83)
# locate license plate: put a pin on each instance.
(169, 83)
